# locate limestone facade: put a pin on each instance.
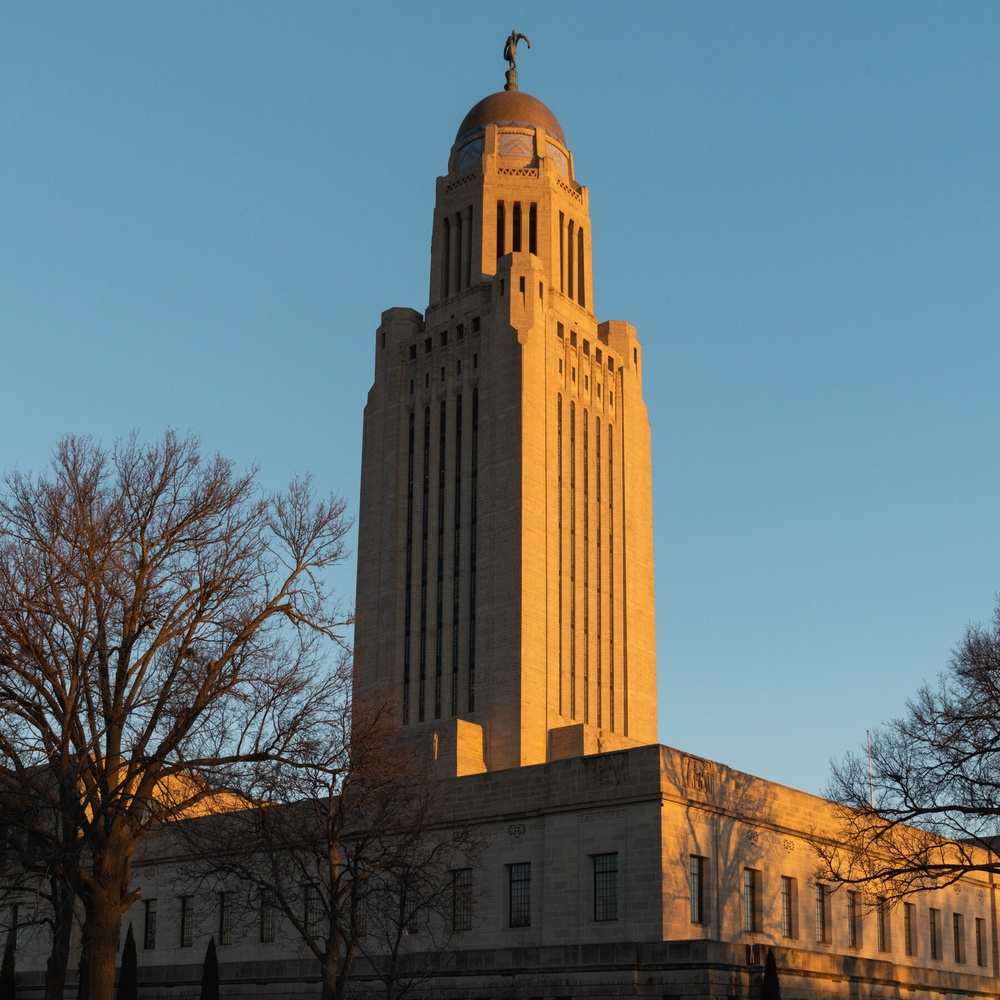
(505, 566)
(639, 873)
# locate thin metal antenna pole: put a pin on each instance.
(871, 779)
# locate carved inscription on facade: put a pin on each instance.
(612, 769)
(699, 775)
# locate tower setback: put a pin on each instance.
(505, 564)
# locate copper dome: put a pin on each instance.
(513, 108)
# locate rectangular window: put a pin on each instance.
(882, 925)
(313, 911)
(789, 907)
(461, 900)
(696, 879)
(268, 917)
(958, 934)
(935, 929)
(15, 923)
(605, 886)
(751, 892)
(853, 919)
(909, 928)
(520, 895)
(187, 921)
(149, 926)
(225, 918)
(820, 913)
(980, 941)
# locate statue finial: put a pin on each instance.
(510, 54)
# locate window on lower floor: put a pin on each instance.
(789, 907)
(268, 917)
(313, 911)
(820, 913)
(958, 936)
(605, 886)
(980, 941)
(853, 918)
(934, 921)
(751, 898)
(149, 924)
(910, 928)
(520, 894)
(187, 921)
(696, 885)
(461, 899)
(884, 942)
(225, 918)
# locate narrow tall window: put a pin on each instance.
(586, 568)
(473, 513)
(789, 907)
(820, 913)
(149, 925)
(520, 894)
(313, 911)
(187, 921)
(408, 594)
(934, 920)
(516, 227)
(751, 886)
(501, 222)
(225, 918)
(559, 524)
(853, 919)
(958, 935)
(696, 889)
(456, 557)
(980, 941)
(424, 540)
(605, 886)
(882, 925)
(461, 899)
(909, 928)
(445, 250)
(597, 532)
(570, 266)
(439, 590)
(572, 560)
(581, 287)
(533, 229)
(611, 578)
(562, 253)
(268, 915)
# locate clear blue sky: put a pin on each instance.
(204, 208)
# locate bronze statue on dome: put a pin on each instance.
(510, 54)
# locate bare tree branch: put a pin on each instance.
(165, 627)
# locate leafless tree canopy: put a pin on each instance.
(165, 629)
(930, 810)
(350, 849)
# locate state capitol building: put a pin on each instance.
(505, 614)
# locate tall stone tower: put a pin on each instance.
(505, 552)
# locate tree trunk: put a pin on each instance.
(104, 921)
(106, 898)
(332, 987)
(57, 965)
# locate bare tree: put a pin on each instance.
(927, 809)
(348, 848)
(164, 630)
